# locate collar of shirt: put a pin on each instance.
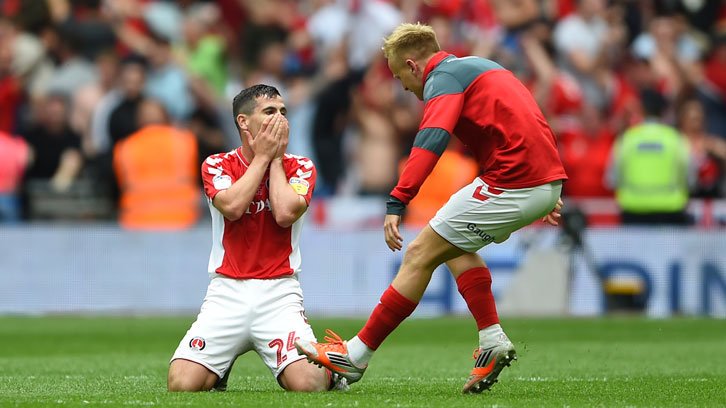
(433, 62)
(241, 157)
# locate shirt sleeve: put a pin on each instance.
(444, 100)
(302, 176)
(216, 175)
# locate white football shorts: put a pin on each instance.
(478, 214)
(240, 315)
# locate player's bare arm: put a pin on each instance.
(286, 204)
(234, 201)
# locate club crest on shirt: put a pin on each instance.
(264, 186)
(222, 181)
(299, 185)
(197, 343)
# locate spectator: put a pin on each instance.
(708, 152)
(650, 169)
(376, 154)
(11, 90)
(93, 32)
(269, 67)
(167, 82)
(74, 71)
(157, 169)
(30, 63)
(121, 105)
(585, 143)
(664, 34)
(90, 105)
(107, 66)
(584, 41)
(205, 127)
(15, 156)
(514, 17)
(712, 90)
(556, 92)
(671, 52)
(83, 104)
(357, 37)
(57, 147)
(205, 50)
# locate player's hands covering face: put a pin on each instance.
(394, 240)
(554, 216)
(267, 141)
(283, 132)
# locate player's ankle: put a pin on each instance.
(490, 334)
(358, 352)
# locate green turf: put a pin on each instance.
(116, 362)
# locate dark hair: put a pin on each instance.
(246, 101)
(134, 59)
(654, 104)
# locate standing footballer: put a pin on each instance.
(497, 119)
(257, 195)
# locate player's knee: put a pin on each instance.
(177, 383)
(304, 377)
(417, 257)
(178, 380)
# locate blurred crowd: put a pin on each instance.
(99, 98)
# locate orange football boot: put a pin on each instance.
(332, 355)
(489, 363)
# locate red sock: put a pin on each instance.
(390, 312)
(475, 286)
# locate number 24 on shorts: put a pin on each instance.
(279, 344)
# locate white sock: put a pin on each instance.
(489, 335)
(359, 353)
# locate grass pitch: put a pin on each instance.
(115, 362)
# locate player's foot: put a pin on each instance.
(340, 383)
(332, 355)
(489, 363)
(221, 384)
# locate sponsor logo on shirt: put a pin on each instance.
(258, 206)
(299, 185)
(222, 181)
(486, 238)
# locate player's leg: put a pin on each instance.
(474, 217)
(350, 359)
(185, 375)
(279, 321)
(424, 254)
(500, 213)
(474, 282)
(495, 350)
(208, 349)
(305, 377)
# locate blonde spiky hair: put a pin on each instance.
(410, 40)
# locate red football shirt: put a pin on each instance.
(493, 114)
(254, 246)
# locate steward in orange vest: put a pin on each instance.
(157, 169)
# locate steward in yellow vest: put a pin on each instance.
(651, 170)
